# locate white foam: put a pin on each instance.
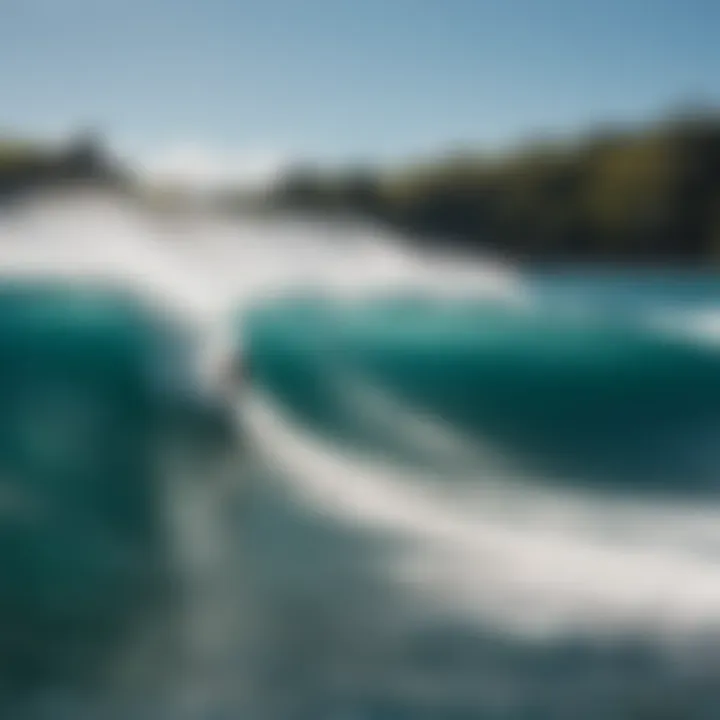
(537, 563)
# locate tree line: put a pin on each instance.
(649, 194)
(643, 194)
(27, 166)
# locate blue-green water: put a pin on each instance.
(85, 422)
(601, 391)
(368, 554)
(583, 381)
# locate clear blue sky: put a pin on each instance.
(348, 78)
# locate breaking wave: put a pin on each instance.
(463, 491)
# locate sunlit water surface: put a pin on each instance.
(464, 491)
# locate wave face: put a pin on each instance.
(455, 491)
(603, 397)
(84, 426)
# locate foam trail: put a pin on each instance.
(525, 577)
(420, 435)
(520, 494)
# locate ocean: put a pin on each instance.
(459, 489)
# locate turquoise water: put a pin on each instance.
(582, 382)
(604, 391)
(363, 568)
(84, 422)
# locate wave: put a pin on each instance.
(621, 402)
(456, 493)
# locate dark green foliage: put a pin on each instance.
(628, 195)
(26, 166)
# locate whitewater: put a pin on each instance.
(434, 574)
